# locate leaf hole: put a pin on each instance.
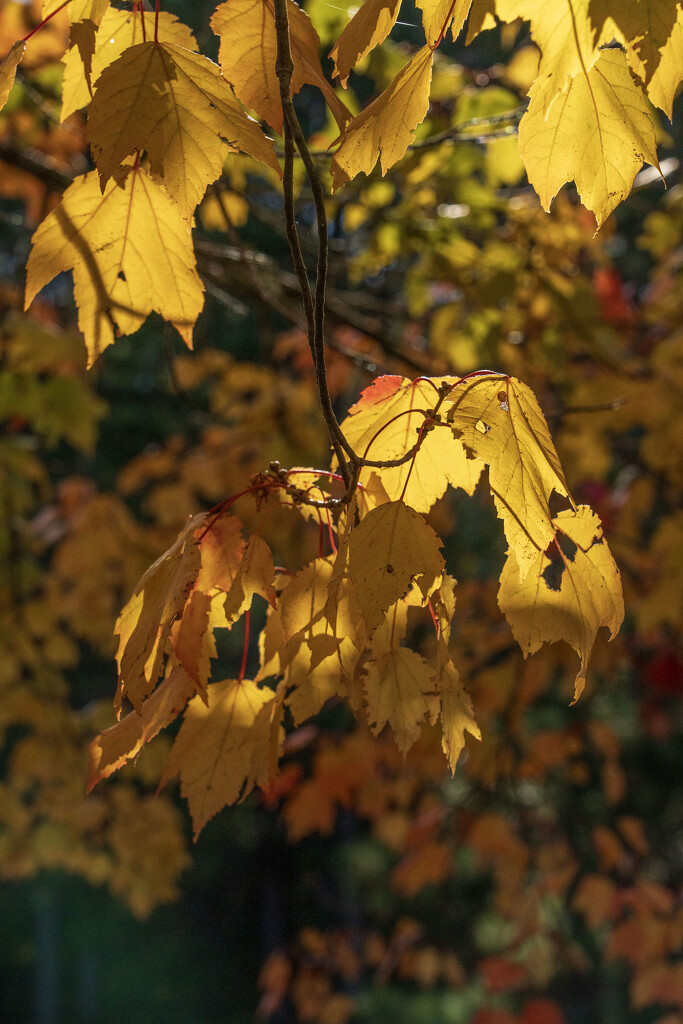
(558, 503)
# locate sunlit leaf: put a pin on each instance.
(370, 25)
(400, 691)
(8, 70)
(439, 15)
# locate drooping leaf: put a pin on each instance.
(174, 105)
(391, 547)
(565, 36)
(224, 748)
(8, 70)
(131, 254)
(248, 54)
(663, 86)
(457, 716)
(370, 25)
(384, 424)
(438, 15)
(400, 691)
(193, 641)
(588, 596)
(119, 30)
(254, 576)
(598, 133)
(644, 27)
(385, 129)
(111, 749)
(499, 421)
(145, 623)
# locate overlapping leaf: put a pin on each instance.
(248, 54)
(589, 594)
(118, 31)
(385, 129)
(225, 747)
(131, 254)
(597, 133)
(438, 15)
(174, 105)
(663, 85)
(400, 692)
(370, 25)
(385, 424)
(8, 70)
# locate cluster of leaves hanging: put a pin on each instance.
(162, 118)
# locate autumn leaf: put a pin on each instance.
(370, 25)
(499, 421)
(663, 85)
(438, 15)
(248, 52)
(385, 129)
(643, 27)
(391, 547)
(111, 749)
(131, 255)
(119, 30)
(457, 715)
(598, 133)
(385, 424)
(8, 70)
(254, 576)
(193, 641)
(145, 623)
(400, 691)
(174, 105)
(224, 748)
(588, 595)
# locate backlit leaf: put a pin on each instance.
(597, 133)
(437, 15)
(118, 31)
(8, 70)
(254, 576)
(174, 105)
(391, 547)
(145, 623)
(665, 81)
(131, 255)
(400, 691)
(385, 129)
(121, 742)
(248, 54)
(499, 421)
(589, 594)
(193, 641)
(457, 716)
(370, 25)
(224, 749)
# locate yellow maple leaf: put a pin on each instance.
(113, 747)
(370, 25)
(222, 547)
(385, 129)
(145, 623)
(598, 133)
(79, 10)
(193, 641)
(254, 576)
(643, 27)
(176, 106)
(437, 15)
(457, 716)
(499, 421)
(384, 425)
(391, 546)
(663, 85)
(8, 70)
(248, 53)
(565, 35)
(118, 31)
(589, 594)
(225, 748)
(131, 254)
(400, 691)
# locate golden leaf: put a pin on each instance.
(499, 421)
(248, 53)
(254, 576)
(222, 547)
(174, 105)
(145, 623)
(588, 596)
(193, 641)
(437, 15)
(598, 133)
(391, 547)
(79, 10)
(111, 749)
(457, 716)
(385, 129)
(666, 79)
(224, 748)
(384, 425)
(131, 254)
(118, 31)
(643, 27)
(565, 36)
(8, 70)
(400, 691)
(370, 25)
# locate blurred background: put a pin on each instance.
(540, 884)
